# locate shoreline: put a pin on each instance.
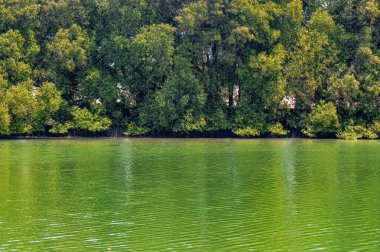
(15, 138)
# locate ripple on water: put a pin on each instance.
(203, 195)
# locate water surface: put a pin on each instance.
(201, 195)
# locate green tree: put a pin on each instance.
(93, 121)
(367, 66)
(345, 92)
(311, 64)
(18, 14)
(22, 108)
(61, 14)
(323, 121)
(30, 108)
(359, 19)
(67, 59)
(179, 105)
(5, 118)
(263, 84)
(14, 57)
(151, 55)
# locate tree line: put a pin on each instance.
(249, 67)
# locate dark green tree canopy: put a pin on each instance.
(247, 67)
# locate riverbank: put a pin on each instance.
(68, 137)
(119, 133)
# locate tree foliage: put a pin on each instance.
(323, 120)
(167, 66)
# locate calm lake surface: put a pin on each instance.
(201, 195)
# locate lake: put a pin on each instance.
(201, 195)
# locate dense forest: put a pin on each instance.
(248, 67)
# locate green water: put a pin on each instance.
(200, 195)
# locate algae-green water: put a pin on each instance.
(189, 195)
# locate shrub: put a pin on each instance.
(5, 119)
(190, 123)
(60, 128)
(356, 132)
(247, 132)
(323, 120)
(277, 130)
(376, 127)
(369, 134)
(94, 122)
(135, 130)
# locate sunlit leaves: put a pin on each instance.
(13, 56)
(263, 81)
(31, 107)
(313, 60)
(68, 49)
(18, 14)
(323, 120)
(91, 121)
